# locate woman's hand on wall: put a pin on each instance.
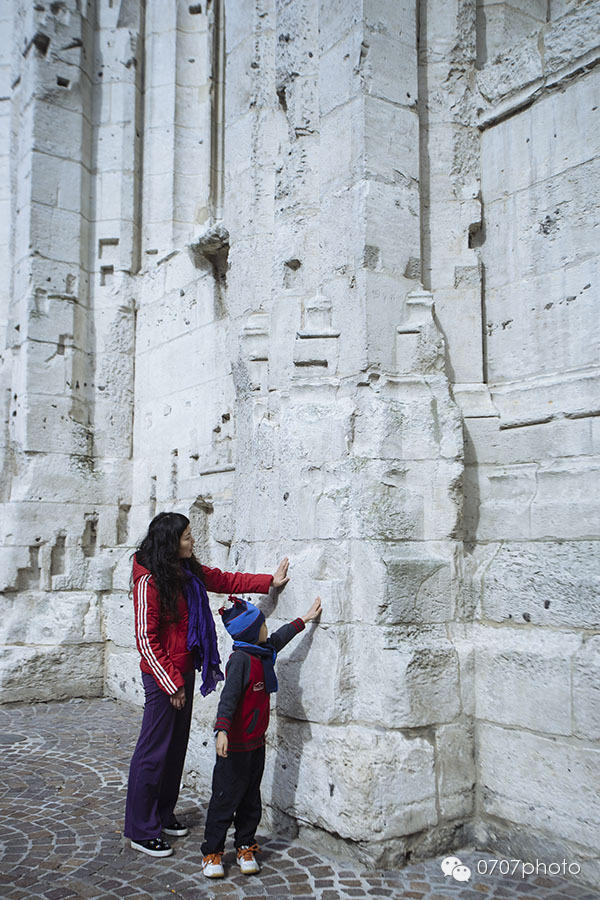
(280, 578)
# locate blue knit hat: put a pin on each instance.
(243, 620)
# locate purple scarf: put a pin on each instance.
(202, 636)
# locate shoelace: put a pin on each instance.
(213, 859)
(248, 852)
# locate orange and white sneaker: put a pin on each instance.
(246, 860)
(212, 866)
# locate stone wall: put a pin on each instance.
(321, 276)
(532, 469)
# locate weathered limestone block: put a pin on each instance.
(339, 73)
(33, 674)
(485, 443)
(545, 582)
(535, 781)
(11, 560)
(418, 676)
(122, 676)
(523, 678)
(571, 37)
(586, 690)
(505, 497)
(403, 583)
(52, 618)
(118, 619)
(303, 693)
(410, 421)
(569, 494)
(455, 768)
(314, 570)
(350, 776)
(517, 64)
(537, 500)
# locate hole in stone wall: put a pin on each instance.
(105, 243)
(62, 82)
(106, 274)
(152, 496)
(90, 536)
(57, 556)
(29, 578)
(123, 523)
(476, 235)
(41, 42)
(195, 9)
(282, 97)
(413, 268)
(174, 473)
(371, 256)
(290, 268)
(198, 515)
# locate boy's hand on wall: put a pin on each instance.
(280, 578)
(222, 743)
(314, 612)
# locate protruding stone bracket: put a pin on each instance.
(420, 347)
(212, 248)
(254, 341)
(316, 344)
(475, 401)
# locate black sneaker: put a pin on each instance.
(153, 847)
(176, 829)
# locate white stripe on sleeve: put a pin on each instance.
(162, 676)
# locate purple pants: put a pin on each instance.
(157, 762)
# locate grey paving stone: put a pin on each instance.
(61, 823)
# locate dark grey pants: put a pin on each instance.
(235, 798)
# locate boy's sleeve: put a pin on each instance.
(147, 623)
(235, 582)
(284, 635)
(237, 674)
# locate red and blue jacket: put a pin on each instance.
(244, 706)
(163, 645)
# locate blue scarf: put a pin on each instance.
(202, 636)
(268, 655)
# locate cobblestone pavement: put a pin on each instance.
(62, 794)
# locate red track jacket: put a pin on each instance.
(163, 647)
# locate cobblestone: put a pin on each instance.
(62, 793)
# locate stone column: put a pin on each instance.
(49, 520)
(349, 443)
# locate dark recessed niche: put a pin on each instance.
(41, 42)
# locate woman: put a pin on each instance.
(175, 633)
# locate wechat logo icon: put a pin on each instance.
(452, 865)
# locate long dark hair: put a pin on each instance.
(159, 553)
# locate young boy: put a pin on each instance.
(242, 720)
